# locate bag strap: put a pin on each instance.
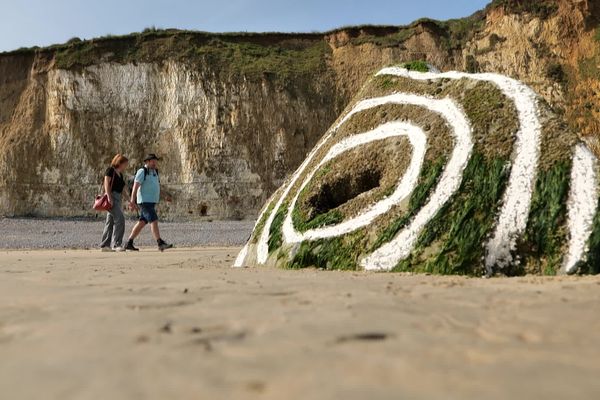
(146, 171)
(112, 180)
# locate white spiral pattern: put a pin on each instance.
(517, 198)
(418, 141)
(513, 214)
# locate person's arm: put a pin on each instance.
(125, 194)
(133, 198)
(137, 183)
(107, 188)
(126, 190)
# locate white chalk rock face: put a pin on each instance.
(219, 135)
(449, 173)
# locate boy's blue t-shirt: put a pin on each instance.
(149, 191)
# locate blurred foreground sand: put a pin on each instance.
(91, 325)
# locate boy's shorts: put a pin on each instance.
(148, 212)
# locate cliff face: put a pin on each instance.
(557, 53)
(234, 114)
(227, 143)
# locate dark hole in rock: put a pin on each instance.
(203, 210)
(334, 194)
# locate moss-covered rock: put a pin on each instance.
(494, 154)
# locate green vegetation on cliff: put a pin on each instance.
(538, 8)
(253, 57)
(420, 66)
(453, 33)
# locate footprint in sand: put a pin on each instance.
(364, 337)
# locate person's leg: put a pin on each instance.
(155, 230)
(153, 220)
(137, 228)
(119, 222)
(108, 231)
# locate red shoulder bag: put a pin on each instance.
(101, 202)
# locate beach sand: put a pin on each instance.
(81, 324)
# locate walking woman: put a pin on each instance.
(114, 183)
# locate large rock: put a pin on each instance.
(450, 173)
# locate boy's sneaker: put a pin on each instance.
(106, 250)
(119, 249)
(131, 247)
(162, 246)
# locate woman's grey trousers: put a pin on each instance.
(114, 227)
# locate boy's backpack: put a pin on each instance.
(131, 180)
(146, 171)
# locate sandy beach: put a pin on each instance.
(80, 324)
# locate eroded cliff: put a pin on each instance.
(227, 141)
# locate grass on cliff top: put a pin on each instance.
(253, 57)
(453, 32)
(255, 60)
(123, 48)
(538, 8)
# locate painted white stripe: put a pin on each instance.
(407, 183)
(582, 205)
(388, 255)
(262, 249)
(512, 220)
(241, 257)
